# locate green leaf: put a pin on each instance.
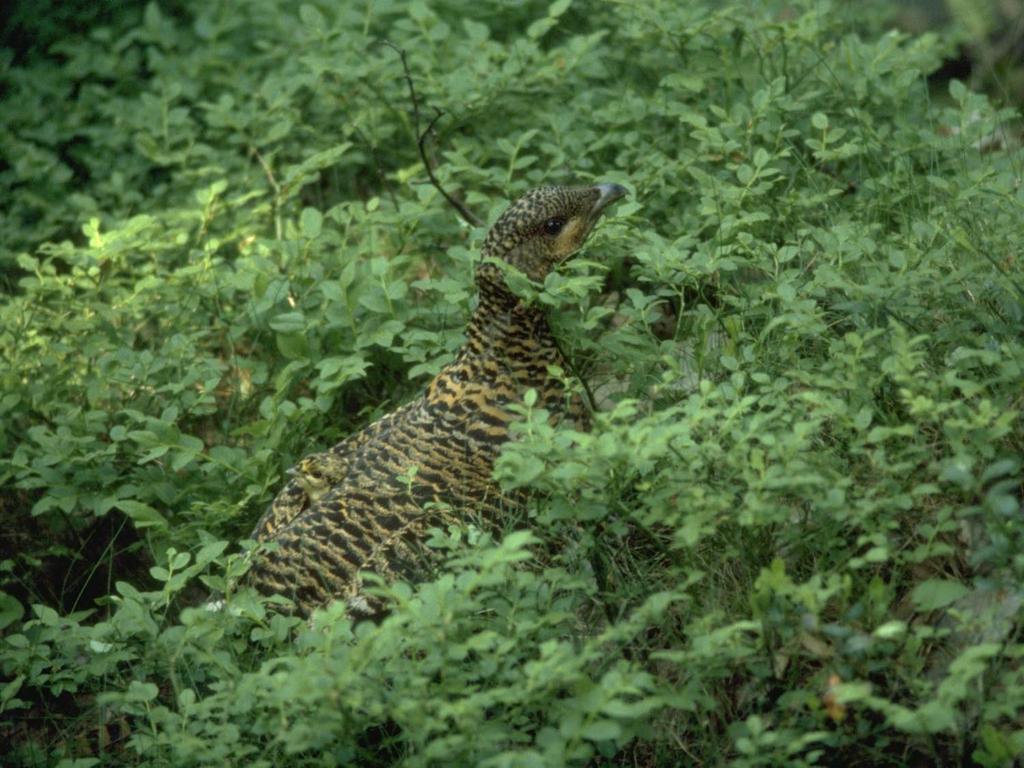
(143, 515)
(601, 730)
(933, 594)
(311, 17)
(210, 552)
(685, 82)
(540, 27)
(289, 322)
(293, 346)
(141, 692)
(310, 223)
(179, 560)
(559, 7)
(336, 371)
(632, 709)
(305, 172)
(958, 91)
(10, 610)
(518, 540)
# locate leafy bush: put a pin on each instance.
(793, 535)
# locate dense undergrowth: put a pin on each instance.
(794, 535)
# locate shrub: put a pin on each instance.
(793, 535)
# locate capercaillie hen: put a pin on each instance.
(366, 504)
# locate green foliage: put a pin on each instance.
(793, 534)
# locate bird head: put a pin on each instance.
(547, 225)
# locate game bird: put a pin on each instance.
(365, 505)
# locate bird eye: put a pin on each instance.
(554, 226)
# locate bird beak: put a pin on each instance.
(609, 193)
(291, 471)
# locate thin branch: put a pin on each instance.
(421, 139)
(467, 215)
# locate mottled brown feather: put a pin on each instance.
(430, 462)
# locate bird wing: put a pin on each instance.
(350, 531)
(292, 500)
(403, 475)
(398, 550)
(373, 519)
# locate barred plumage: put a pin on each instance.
(365, 504)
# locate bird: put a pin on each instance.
(366, 504)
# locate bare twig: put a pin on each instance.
(408, 81)
(421, 139)
(467, 215)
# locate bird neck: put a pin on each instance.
(501, 318)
